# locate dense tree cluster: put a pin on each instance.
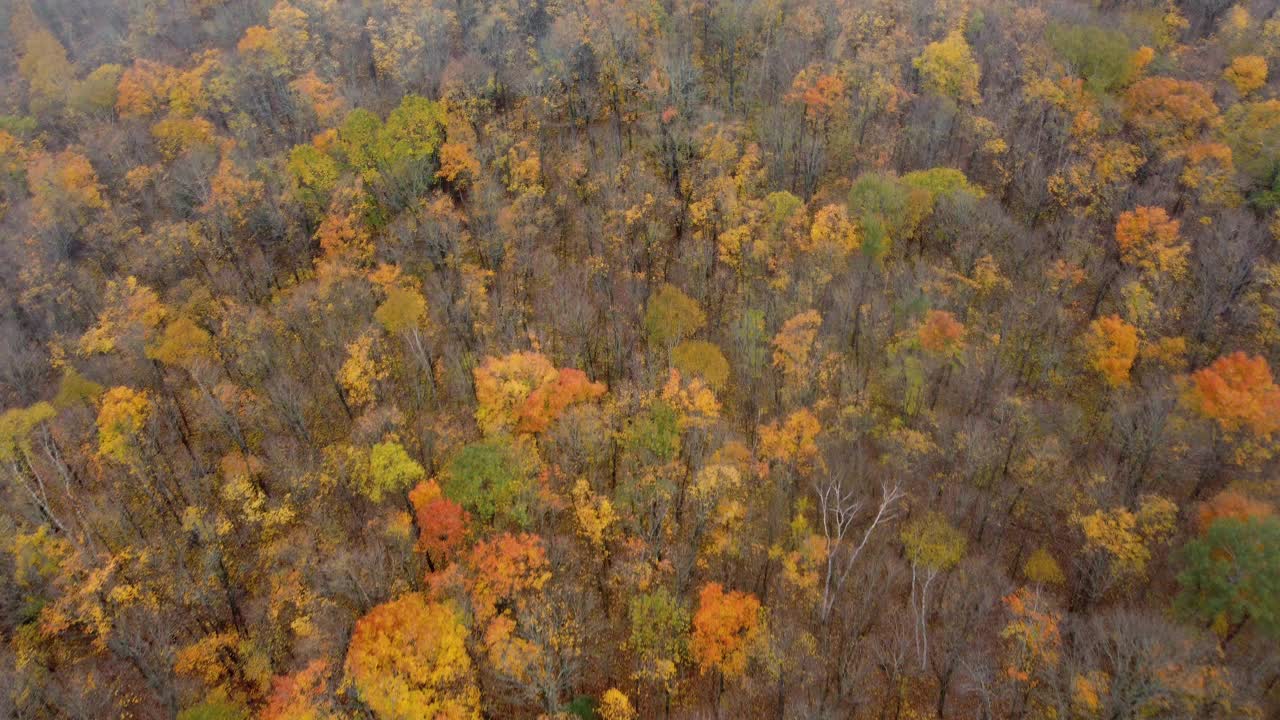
(631, 359)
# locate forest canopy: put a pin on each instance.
(622, 359)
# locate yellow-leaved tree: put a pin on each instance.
(408, 660)
(947, 67)
(1112, 346)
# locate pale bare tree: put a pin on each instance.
(840, 509)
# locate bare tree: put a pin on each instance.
(840, 509)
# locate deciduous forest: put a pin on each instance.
(639, 359)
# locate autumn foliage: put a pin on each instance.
(1149, 240)
(524, 392)
(941, 333)
(1238, 392)
(1170, 111)
(1230, 504)
(1246, 73)
(442, 523)
(726, 627)
(947, 67)
(408, 659)
(1112, 345)
(622, 359)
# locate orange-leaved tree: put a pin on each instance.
(726, 629)
(442, 524)
(1230, 504)
(1112, 346)
(793, 345)
(523, 391)
(1170, 111)
(1238, 392)
(1148, 239)
(793, 441)
(1034, 643)
(941, 333)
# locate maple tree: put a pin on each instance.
(408, 659)
(458, 165)
(1238, 392)
(360, 372)
(1169, 110)
(1112, 345)
(694, 402)
(614, 705)
(1210, 169)
(121, 420)
(1125, 538)
(1230, 504)
(726, 627)
(820, 93)
(391, 470)
(941, 333)
(301, 695)
(64, 187)
(792, 440)
(503, 569)
(442, 523)
(1033, 636)
(1149, 239)
(793, 345)
(524, 392)
(832, 234)
(182, 343)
